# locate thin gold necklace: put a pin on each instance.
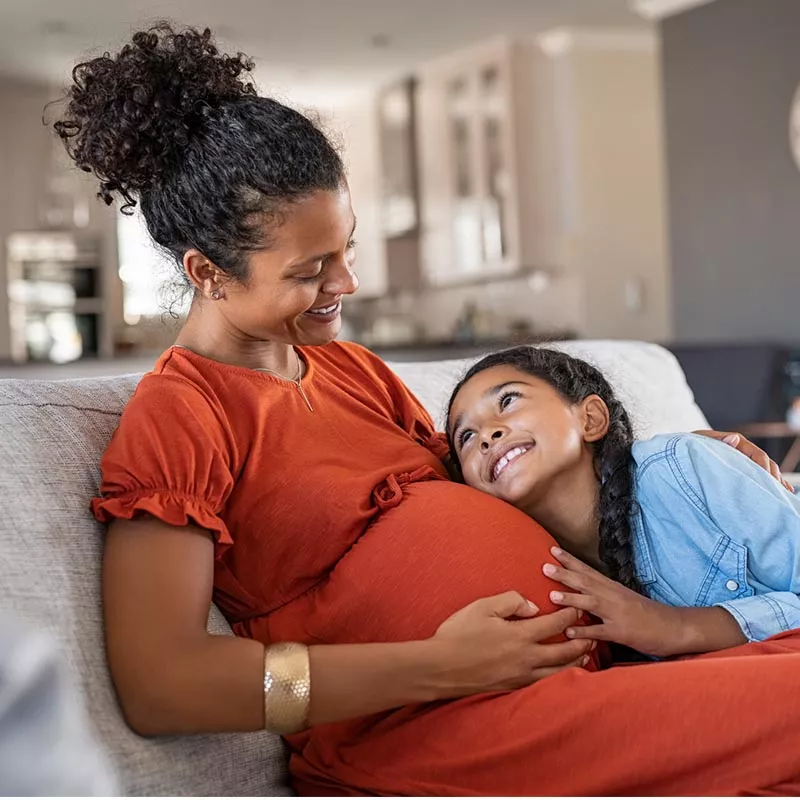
(296, 380)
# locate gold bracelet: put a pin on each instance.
(287, 687)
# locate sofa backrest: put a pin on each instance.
(53, 434)
(647, 377)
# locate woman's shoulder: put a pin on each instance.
(173, 378)
(178, 395)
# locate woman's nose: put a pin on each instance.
(340, 279)
(489, 439)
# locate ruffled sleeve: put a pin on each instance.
(171, 457)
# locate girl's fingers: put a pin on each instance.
(584, 602)
(574, 580)
(596, 632)
(572, 563)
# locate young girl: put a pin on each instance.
(688, 546)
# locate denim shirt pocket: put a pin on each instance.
(726, 576)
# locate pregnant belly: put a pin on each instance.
(442, 547)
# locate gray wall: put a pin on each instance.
(730, 70)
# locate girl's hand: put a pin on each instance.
(493, 645)
(747, 448)
(631, 619)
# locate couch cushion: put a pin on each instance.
(53, 434)
(647, 377)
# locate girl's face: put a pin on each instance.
(294, 289)
(515, 435)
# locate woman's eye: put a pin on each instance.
(309, 278)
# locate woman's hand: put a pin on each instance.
(494, 645)
(747, 448)
(637, 621)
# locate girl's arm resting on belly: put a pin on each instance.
(632, 619)
(173, 677)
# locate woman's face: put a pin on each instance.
(294, 290)
(515, 435)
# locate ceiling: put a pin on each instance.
(314, 48)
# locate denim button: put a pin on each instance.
(732, 586)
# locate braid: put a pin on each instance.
(614, 464)
(575, 380)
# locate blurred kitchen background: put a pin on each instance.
(522, 170)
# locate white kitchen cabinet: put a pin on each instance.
(480, 161)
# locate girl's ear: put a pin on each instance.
(594, 418)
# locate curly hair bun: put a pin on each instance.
(130, 116)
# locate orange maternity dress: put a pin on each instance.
(339, 525)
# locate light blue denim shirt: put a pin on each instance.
(714, 529)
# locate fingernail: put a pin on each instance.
(533, 606)
(731, 438)
(549, 569)
(556, 597)
(584, 661)
(556, 551)
(570, 632)
(594, 646)
(580, 614)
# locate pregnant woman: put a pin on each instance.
(297, 482)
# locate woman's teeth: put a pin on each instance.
(323, 311)
(505, 460)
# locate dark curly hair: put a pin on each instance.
(174, 124)
(575, 380)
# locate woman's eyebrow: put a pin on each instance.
(313, 259)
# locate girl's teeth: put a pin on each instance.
(504, 461)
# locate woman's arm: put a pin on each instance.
(747, 448)
(173, 677)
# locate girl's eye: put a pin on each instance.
(351, 244)
(464, 437)
(507, 399)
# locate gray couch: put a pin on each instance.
(53, 434)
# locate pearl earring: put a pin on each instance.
(216, 294)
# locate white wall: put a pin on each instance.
(354, 122)
(611, 177)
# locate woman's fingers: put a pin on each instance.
(548, 625)
(508, 604)
(561, 654)
(755, 454)
(747, 448)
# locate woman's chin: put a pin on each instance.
(319, 335)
